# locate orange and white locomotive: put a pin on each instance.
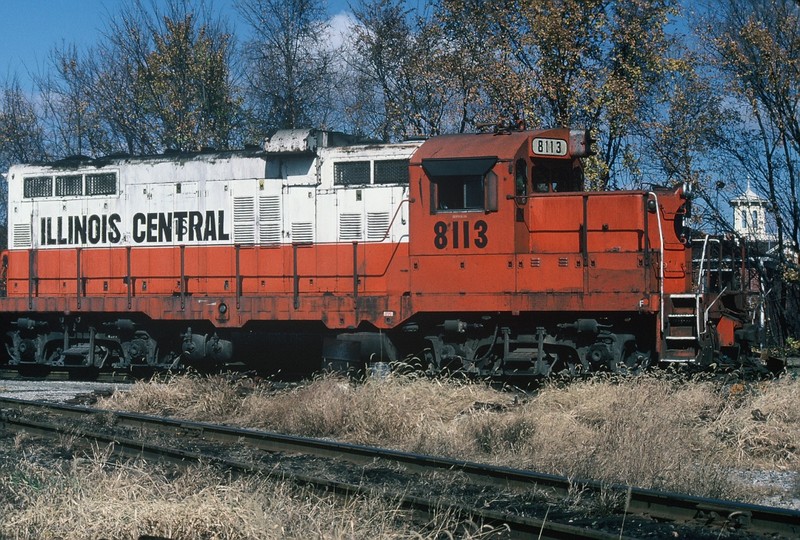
(476, 252)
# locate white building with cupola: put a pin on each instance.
(750, 217)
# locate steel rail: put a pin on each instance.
(62, 374)
(517, 526)
(656, 504)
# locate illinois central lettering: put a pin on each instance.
(153, 227)
(83, 230)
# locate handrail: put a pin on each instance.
(701, 282)
(701, 286)
(394, 217)
(661, 251)
(708, 309)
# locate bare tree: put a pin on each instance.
(122, 92)
(21, 140)
(21, 133)
(69, 105)
(289, 74)
(382, 44)
(408, 72)
(756, 45)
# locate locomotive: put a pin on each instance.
(477, 252)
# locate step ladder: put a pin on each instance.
(683, 328)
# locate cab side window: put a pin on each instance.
(462, 184)
(459, 193)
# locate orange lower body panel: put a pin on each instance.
(339, 285)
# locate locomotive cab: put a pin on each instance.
(470, 189)
(521, 272)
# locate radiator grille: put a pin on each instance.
(350, 227)
(302, 232)
(269, 208)
(22, 235)
(377, 225)
(244, 220)
(269, 223)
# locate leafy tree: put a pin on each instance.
(187, 75)
(164, 79)
(592, 64)
(158, 80)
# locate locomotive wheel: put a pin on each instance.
(34, 370)
(89, 373)
(632, 363)
(578, 367)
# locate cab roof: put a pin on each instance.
(504, 145)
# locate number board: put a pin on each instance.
(549, 147)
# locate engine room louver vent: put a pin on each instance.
(244, 220)
(377, 225)
(302, 233)
(22, 235)
(270, 233)
(269, 208)
(269, 222)
(350, 227)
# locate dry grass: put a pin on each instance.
(649, 431)
(97, 498)
(393, 411)
(643, 432)
(763, 424)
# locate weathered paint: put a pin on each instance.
(272, 237)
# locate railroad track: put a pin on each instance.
(672, 507)
(64, 375)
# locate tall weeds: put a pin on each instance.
(649, 431)
(98, 498)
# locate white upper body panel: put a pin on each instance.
(335, 194)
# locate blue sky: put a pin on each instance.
(29, 29)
